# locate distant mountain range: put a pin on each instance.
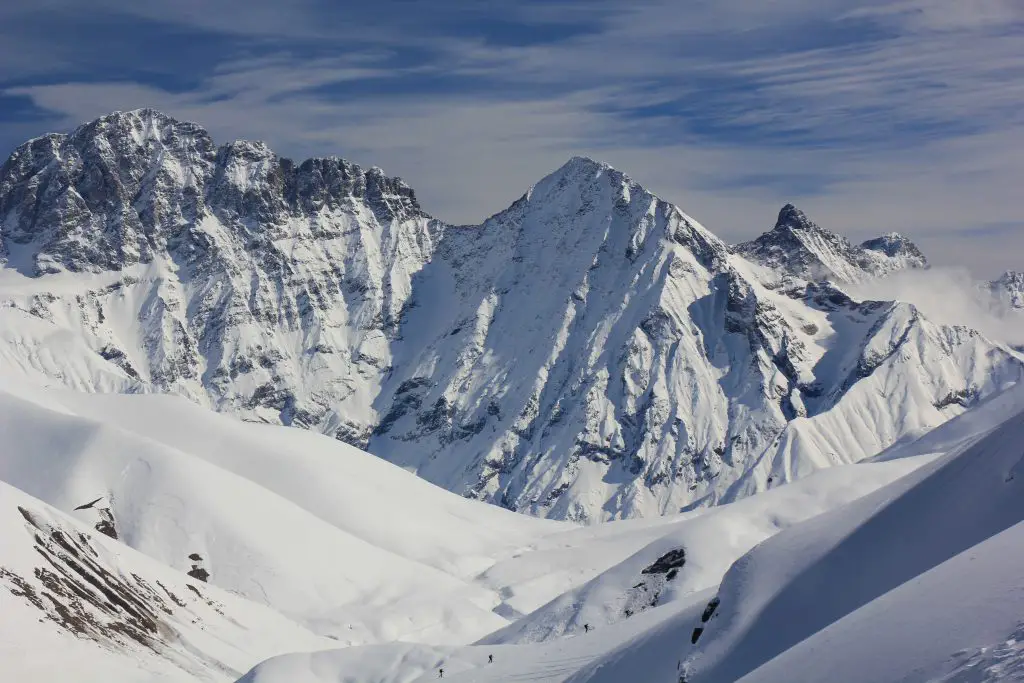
(589, 353)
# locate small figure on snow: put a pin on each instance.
(440, 673)
(586, 628)
(490, 659)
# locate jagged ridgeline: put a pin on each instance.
(589, 353)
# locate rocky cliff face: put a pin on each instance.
(264, 287)
(590, 353)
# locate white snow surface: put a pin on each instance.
(312, 544)
(960, 621)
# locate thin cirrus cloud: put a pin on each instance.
(873, 116)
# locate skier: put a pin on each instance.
(490, 659)
(586, 628)
(440, 673)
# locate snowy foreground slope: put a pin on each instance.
(917, 581)
(590, 353)
(204, 545)
(78, 604)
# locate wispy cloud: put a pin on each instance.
(950, 296)
(875, 115)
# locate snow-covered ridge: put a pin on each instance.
(590, 353)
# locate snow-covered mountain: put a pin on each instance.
(797, 246)
(590, 353)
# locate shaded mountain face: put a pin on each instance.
(799, 247)
(590, 353)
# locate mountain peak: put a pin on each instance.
(578, 168)
(574, 177)
(142, 123)
(132, 178)
(800, 247)
(791, 217)
(585, 163)
(894, 245)
(137, 114)
(1012, 277)
(1009, 288)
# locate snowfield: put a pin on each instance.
(339, 548)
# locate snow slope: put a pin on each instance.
(807, 577)
(550, 644)
(360, 551)
(693, 551)
(590, 353)
(311, 538)
(337, 547)
(549, 662)
(972, 634)
(74, 601)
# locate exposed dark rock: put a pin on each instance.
(964, 398)
(673, 559)
(106, 524)
(76, 588)
(709, 611)
(199, 573)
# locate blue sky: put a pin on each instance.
(904, 115)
